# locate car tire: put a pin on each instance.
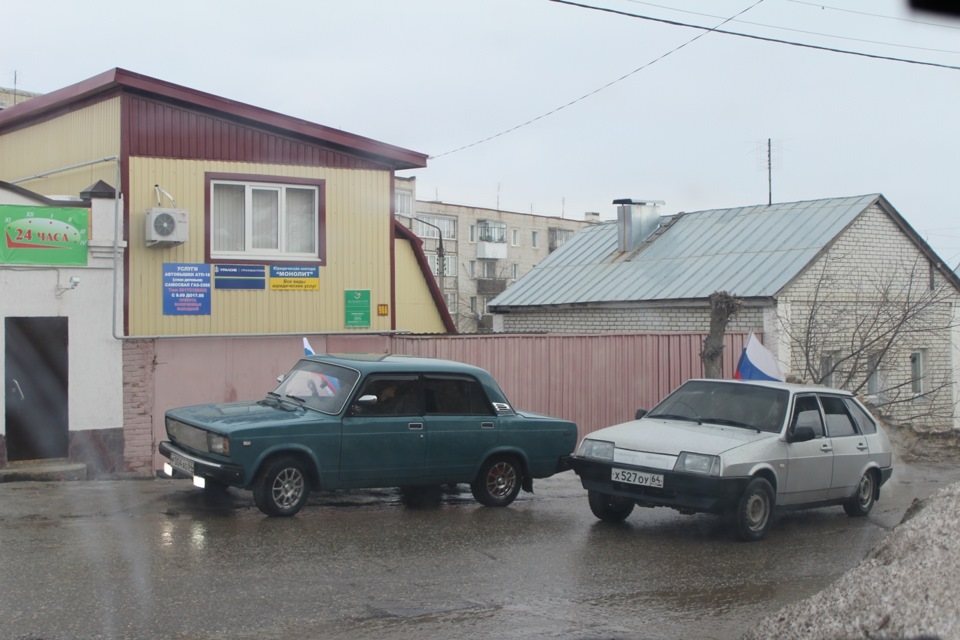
(862, 501)
(498, 482)
(282, 487)
(609, 508)
(754, 513)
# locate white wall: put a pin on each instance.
(95, 383)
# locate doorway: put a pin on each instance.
(35, 383)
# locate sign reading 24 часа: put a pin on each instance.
(43, 235)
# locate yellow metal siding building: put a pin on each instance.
(171, 148)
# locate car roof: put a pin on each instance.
(372, 362)
(774, 384)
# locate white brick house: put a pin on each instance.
(843, 290)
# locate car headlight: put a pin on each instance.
(698, 463)
(600, 449)
(218, 444)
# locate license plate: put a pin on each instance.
(654, 480)
(181, 463)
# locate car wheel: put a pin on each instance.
(862, 501)
(281, 489)
(754, 513)
(609, 508)
(498, 482)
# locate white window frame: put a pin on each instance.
(281, 252)
(515, 237)
(535, 239)
(918, 366)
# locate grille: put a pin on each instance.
(184, 434)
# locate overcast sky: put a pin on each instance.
(687, 126)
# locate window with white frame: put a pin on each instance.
(917, 372)
(449, 265)
(513, 271)
(427, 227)
(265, 220)
(515, 237)
(473, 233)
(403, 203)
(873, 375)
(534, 239)
(827, 364)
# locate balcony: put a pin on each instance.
(491, 286)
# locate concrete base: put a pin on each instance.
(49, 470)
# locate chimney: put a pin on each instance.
(591, 216)
(636, 221)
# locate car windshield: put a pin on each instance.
(738, 405)
(319, 385)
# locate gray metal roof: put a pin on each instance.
(747, 251)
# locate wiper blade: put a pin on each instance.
(730, 423)
(271, 396)
(674, 416)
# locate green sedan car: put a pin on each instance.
(353, 421)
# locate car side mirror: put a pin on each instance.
(281, 377)
(640, 413)
(803, 434)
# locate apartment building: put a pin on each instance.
(476, 253)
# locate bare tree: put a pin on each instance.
(723, 306)
(857, 333)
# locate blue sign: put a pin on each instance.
(186, 289)
(240, 276)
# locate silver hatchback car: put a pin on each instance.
(740, 449)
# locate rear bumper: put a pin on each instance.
(683, 491)
(222, 472)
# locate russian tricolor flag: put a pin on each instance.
(757, 362)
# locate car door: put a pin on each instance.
(461, 426)
(850, 450)
(810, 463)
(384, 442)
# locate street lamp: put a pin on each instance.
(440, 253)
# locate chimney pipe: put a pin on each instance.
(636, 221)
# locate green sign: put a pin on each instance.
(43, 235)
(356, 308)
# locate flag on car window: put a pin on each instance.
(757, 362)
(307, 349)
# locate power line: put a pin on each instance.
(792, 43)
(597, 90)
(812, 33)
(874, 15)
(705, 30)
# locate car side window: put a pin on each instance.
(864, 422)
(455, 395)
(806, 413)
(839, 422)
(395, 396)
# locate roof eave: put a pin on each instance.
(397, 157)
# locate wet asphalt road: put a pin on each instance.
(157, 559)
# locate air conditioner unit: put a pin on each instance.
(167, 227)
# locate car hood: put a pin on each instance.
(673, 436)
(232, 416)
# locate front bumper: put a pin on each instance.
(231, 474)
(683, 491)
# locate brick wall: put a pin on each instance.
(138, 395)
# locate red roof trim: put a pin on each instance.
(398, 157)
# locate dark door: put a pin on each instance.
(36, 388)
